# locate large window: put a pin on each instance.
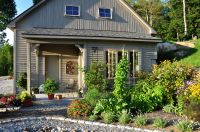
(105, 13)
(113, 57)
(72, 11)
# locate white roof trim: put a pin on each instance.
(151, 30)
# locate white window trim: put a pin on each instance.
(111, 13)
(79, 11)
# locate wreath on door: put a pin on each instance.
(70, 68)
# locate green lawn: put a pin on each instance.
(194, 57)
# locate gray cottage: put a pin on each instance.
(55, 37)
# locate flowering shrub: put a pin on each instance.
(3, 100)
(79, 108)
(194, 90)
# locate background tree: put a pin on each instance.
(7, 12)
(6, 60)
(36, 1)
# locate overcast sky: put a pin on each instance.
(21, 6)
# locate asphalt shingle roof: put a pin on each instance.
(88, 33)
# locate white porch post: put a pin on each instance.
(29, 68)
(37, 63)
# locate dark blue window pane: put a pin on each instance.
(75, 13)
(108, 15)
(107, 10)
(75, 8)
(68, 7)
(69, 13)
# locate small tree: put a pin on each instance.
(94, 77)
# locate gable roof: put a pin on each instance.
(12, 24)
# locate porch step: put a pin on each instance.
(72, 95)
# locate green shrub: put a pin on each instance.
(94, 77)
(160, 123)
(24, 96)
(92, 96)
(124, 118)
(140, 120)
(50, 86)
(22, 81)
(171, 76)
(108, 117)
(93, 117)
(105, 105)
(79, 108)
(185, 126)
(169, 108)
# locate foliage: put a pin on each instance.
(94, 77)
(35, 90)
(147, 94)
(120, 79)
(159, 88)
(167, 17)
(194, 90)
(7, 12)
(22, 81)
(79, 108)
(170, 109)
(185, 126)
(106, 104)
(6, 60)
(125, 117)
(160, 123)
(93, 117)
(24, 96)
(108, 117)
(92, 96)
(2, 105)
(171, 76)
(36, 1)
(140, 120)
(50, 86)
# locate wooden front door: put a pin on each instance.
(52, 67)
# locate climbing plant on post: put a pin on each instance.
(120, 79)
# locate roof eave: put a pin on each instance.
(157, 40)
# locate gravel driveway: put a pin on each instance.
(6, 86)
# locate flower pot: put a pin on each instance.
(58, 97)
(50, 96)
(27, 103)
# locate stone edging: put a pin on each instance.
(79, 122)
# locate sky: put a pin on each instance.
(21, 6)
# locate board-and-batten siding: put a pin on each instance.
(51, 15)
(147, 51)
(21, 57)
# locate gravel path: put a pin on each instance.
(40, 117)
(6, 86)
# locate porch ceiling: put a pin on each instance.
(88, 35)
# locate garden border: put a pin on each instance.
(78, 121)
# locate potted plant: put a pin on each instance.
(26, 99)
(50, 87)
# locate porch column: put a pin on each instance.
(29, 68)
(37, 63)
(84, 66)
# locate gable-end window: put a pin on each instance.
(105, 13)
(72, 11)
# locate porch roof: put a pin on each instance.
(88, 34)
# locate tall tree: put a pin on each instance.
(7, 12)
(36, 1)
(184, 17)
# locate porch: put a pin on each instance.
(59, 61)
